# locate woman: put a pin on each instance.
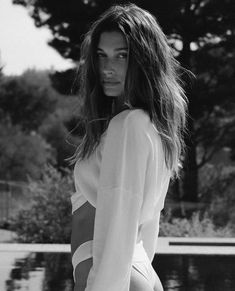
(134, 108)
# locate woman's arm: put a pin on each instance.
(120, 195)
(82, 231)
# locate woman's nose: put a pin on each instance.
(108, 73)
(108, 67)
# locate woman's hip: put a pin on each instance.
(142, 273)
(143, 266)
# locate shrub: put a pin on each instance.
(48, 218)
(196, 226)
(218, 192)
(22, 154)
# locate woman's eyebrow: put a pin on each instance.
(121, 49)
(116, 49)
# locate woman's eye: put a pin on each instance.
(122, 55)
(100, 55)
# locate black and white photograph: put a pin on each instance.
(117, 145)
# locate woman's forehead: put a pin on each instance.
(114, 39)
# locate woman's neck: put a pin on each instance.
(118, 105)
(116, 108)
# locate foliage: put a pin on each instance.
(216, 216)
(47, 220)
(65, 82)
(196, 21)
(33, 123)
(27, 99)
(57, 135)
(22, 155)
(218, 192)
(201, 33)
(196, 226)
(230, 139)
(213, 132)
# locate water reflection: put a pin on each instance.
(53, 272)
(196, 273)
(41, 272)
(58, 274)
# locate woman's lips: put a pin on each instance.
(110, 83)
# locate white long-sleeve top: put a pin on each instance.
(126, 180)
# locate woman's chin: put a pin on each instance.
(111, 93)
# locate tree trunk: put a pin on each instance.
(190, 176)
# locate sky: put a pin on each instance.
(22, 45)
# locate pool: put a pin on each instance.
(45, 271)
(196, 272)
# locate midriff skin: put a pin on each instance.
(82, 231)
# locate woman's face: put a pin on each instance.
(112, 53)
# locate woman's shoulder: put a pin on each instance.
(130, 118)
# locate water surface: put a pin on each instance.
(53, 272)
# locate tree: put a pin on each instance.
(34, 113)
(57, 135)
(22, 155)
(202, 35)
(27, 99)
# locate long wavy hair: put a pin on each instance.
(152, 82)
